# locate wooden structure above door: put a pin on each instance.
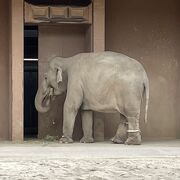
(35, 14)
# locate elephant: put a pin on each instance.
(106, 82)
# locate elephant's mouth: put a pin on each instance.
(45, 96)
(43, 100)
(49, 96)
(46, 100)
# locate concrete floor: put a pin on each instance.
(51, 160)
(42, 149)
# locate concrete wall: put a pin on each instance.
(62, 40)
(4, 69)
(149, 31)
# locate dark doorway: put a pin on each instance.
(30, 88)
(30, 80)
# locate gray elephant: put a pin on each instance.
(102, 82)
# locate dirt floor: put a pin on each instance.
(51, 160)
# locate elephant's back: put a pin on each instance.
(108, 63)
(107, 58)
(107, 67)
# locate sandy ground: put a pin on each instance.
(45, 160)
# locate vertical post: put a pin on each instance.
(16, 70)
(99, 25)
(98, 46)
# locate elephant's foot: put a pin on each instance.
(117, 140)
(133, 139)
(87, 140)
(66, 140)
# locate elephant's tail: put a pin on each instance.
(146, 88)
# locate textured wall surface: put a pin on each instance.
(149, 31)
(4, 69)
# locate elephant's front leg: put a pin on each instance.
(87, 125)
(70, 112)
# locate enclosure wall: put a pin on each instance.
(149, 31)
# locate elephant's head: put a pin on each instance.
(53, 84)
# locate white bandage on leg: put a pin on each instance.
(133, 131)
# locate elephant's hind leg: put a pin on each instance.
(121, 133)
(134, 136)
(87, 125)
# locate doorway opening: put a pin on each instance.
(30, 81)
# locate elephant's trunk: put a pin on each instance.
(42, 101)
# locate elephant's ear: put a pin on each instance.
(59, 75)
